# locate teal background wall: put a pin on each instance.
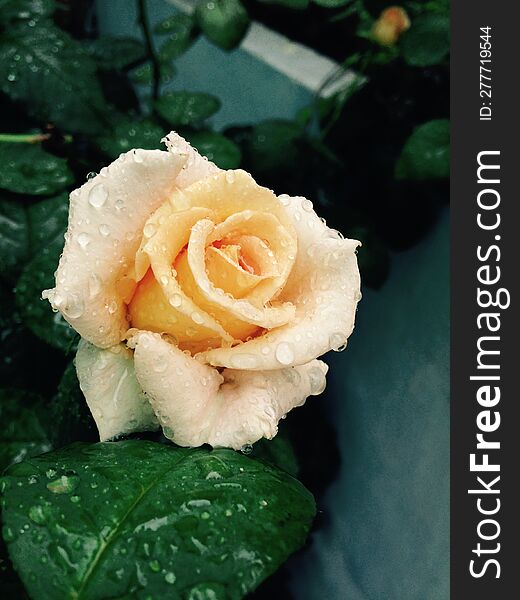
(387, 529)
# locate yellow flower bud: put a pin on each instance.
(392, 22)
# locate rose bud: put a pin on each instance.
(203, 299)
(392, 22)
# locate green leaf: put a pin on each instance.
(223, 22)
(331, 3)
(273, 145)
(223, 152)
(14, 237)
(52, 74)
(130, 134)
(115, 52)
(144, 74)
(22, 10)
(427, 42)
(47, 221)
(22, 434)
(181, 34)
(69, 413)
(295, 4)
(36, 313)
(27, 169)
(176, 24)
(186, 108)
(137, 519)
(279, 451)
(426, 153)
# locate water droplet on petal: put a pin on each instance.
(149, 230)
(246, 449)
(338, 342)
(104, 230)
(91, 175)
(284, 353)
(175, 300)
(98, 195)
(83, 239)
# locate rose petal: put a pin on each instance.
(196, 404)
(106, 219)
(324, 285)
(238, 317)
(116, 401)
(160, 304)
(196, 166)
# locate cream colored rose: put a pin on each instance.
(202, 299)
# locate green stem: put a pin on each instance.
(145, 25)
(24, 138)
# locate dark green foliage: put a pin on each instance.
(186, 108)
(123, 518)
(223, 22)
(27, 169)
(53, 75)
(426, 154)
(22, 433)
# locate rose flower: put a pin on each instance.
(202, 299)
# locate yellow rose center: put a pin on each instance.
(212, 263)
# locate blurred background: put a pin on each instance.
(343, 101)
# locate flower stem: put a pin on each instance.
(145, 25)
(24, 138)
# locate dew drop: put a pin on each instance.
(91, 175)
(317, 381)
(37, 515)
(104, 230)
(307, 205)
(154, 566)
(149, 230)
(175, 300)
(246, 449)
(98, 195)
(197, 318)
(170, 577)
(337, 342)
(83, 240)
(63, 485)
(284, 353)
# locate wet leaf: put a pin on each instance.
(426, 153)
(69, 414)
(22, 433)
(27, 169)
(36, 313)
(427, 42)
(186, 108)
(144, 73)
(134, 518)
(47, 220)
(181, 33)
(331, 3)
(223, 22)
(115, 52)
(131, 133)
(22, 10)
(223, 152)
(14, 237)
(53, 75)
(273, 144)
